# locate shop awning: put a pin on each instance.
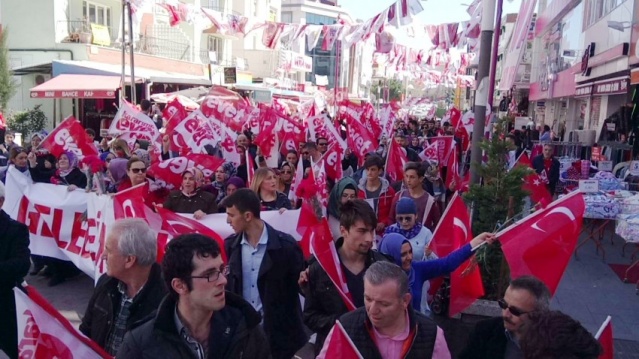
(77, 86)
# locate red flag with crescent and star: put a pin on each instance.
(542, 243)
(453, 232)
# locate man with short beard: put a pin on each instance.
(499, 337)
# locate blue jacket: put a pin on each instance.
(422, 271)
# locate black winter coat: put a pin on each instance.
(487, 341)
(105, 304)
(235, 333)
(278, 289)
(423, 332)
(14, 265)
(323, 304)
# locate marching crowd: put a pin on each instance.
(195, 305)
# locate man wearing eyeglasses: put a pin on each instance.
(198, 319)
(132, 287)
(499, 337)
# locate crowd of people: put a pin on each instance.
(193, 305)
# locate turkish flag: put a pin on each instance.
(542, 243)
(397, 159)
(339, 345)
(174, 113)
(323, 248)
(604, 336)
(69, 136)
(534, 183)
(176, 225)
(266, 139)
(453, 232)
(454, 117)
(45, 333)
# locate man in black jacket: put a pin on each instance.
(323, 304)
(14, 265)
(499, 337)
(547, 164)
(265, 266)
(198, 319)
(387, 323)
(132, 287)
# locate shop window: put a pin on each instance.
(594, 12)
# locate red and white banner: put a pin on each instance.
(44, 333)
(397, 159)
(430, 152)
(517, 44)
(229, 107)
(168, 173)
(54, 217)
(444, 147)
(192, 134)
(130, 124)
(69, 136)
(333, 162)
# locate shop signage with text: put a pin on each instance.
(611, 87)
(583, 91)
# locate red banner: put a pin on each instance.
(444, 146)
(69, 136)
(169, 172)
(228, 107)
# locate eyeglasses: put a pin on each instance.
(513, 310)
(138, 170)
(404, 218)
(214, 276)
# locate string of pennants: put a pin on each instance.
(420, 63)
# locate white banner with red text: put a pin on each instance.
(73, 225)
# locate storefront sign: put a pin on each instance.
(583, 91)
(101, 35)
(611, 87)
(73, 94)
(611, 126)
(302, 63)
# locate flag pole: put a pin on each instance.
(603, 326)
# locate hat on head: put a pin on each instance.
(236, 181)
(406, 205)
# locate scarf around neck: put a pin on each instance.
(408, 233)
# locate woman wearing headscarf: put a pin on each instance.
(117, 173)
(68, 173)
(232, 185)
(407, 225)
(401, 250)
(189, 199)
(345, 190)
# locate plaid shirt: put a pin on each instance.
(116, 335)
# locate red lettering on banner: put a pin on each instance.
(29, 342)
(361, 146)
(22, 210)
(78, 233)
(63, 138)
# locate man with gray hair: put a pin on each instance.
(132, 287)
(387, 326)
(14, 265)
(499, 337)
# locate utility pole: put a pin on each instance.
(132, 53)
(483, 86)
(493, 60)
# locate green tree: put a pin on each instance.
(27, 122)
(395, 89)
(499, 196)
(8, 85)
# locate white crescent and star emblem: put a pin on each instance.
(458, 222)
(563, 210)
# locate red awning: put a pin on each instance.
(77, 86)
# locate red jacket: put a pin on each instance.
(385, 199)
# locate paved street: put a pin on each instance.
(589, 291)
